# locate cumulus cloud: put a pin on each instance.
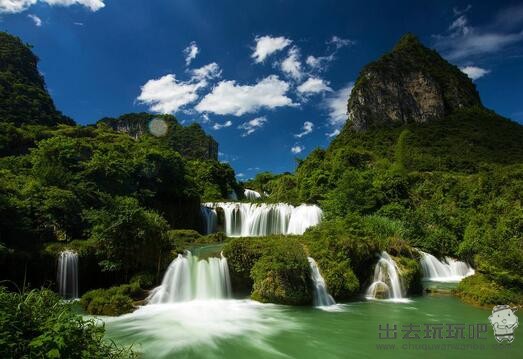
(291, 66)
(167, 94)
(297, 149)
(307, 128)
(320, 63)
(252, 126)
(337, 106)
(462, 41)
(190, 53)
(36, 19)
(16, 6)
(219, 126)
(334, 132)
(474, 72)
(209, 71)
(267, 45)
(229, 98)
(313, 85)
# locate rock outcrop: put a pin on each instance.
(412, 83)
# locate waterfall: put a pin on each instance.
(232, 196)
(251, 195)
(321, 295)
(189, 278)
(210, 219)
(68, 274)
(447, 270)
(386, 282)
(263, 219)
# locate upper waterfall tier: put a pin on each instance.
(262, 219)
(446, 270)
(251, 195)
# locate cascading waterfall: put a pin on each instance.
(210, 219)
(190, 278)
(251, 195)
(447, 270)
(321, 297)
(67, 276)
(262, 219)
(386, 282)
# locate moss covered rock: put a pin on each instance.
(274, 269)
(410, 273)
(480, 290)
(112, 301)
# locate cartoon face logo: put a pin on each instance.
(504, 322)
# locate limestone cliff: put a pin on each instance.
(410, 84)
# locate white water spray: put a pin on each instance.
(386, 282)
(67, 276)
(189, 278)
(321, 297)
(262, 219)
(447, 270)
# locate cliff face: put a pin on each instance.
(190, 141)
(23, 96)
(410, 84)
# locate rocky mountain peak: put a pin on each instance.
(412, 83)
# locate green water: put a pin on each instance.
(246, 329)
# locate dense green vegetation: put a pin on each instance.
(273, 269)
(37, 324)
(451, 187)
(109, 191)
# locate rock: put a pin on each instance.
(410, 84)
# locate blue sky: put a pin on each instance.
(268, 79)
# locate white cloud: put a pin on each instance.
(339, 42)
(307, 128)
(457, 11)
(209, 71)
(474, 72)
(229, 98)
(292, 65)
(251, 126)
(314, 85)
(267, 45)
(335, 132)
(15, 6)
(36, 19)
(337, 106)
(78, 23)
(319, 63)
(167, 95)
(219, 126)
(297, 149)
(240, 174)
(462, 40)
(190, 53)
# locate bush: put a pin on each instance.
(274, 269)
(480, 290)
(37, 324)
(113, 301)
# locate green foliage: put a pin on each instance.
(113, 301)
(37, 324)
(275, 269)
(480, 290)
(123, 229)
(23, 96)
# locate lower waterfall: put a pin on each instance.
(67, 275)
(386, 282)
(321, 297)
(189, 278)
(447, 270)
(262, 219)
